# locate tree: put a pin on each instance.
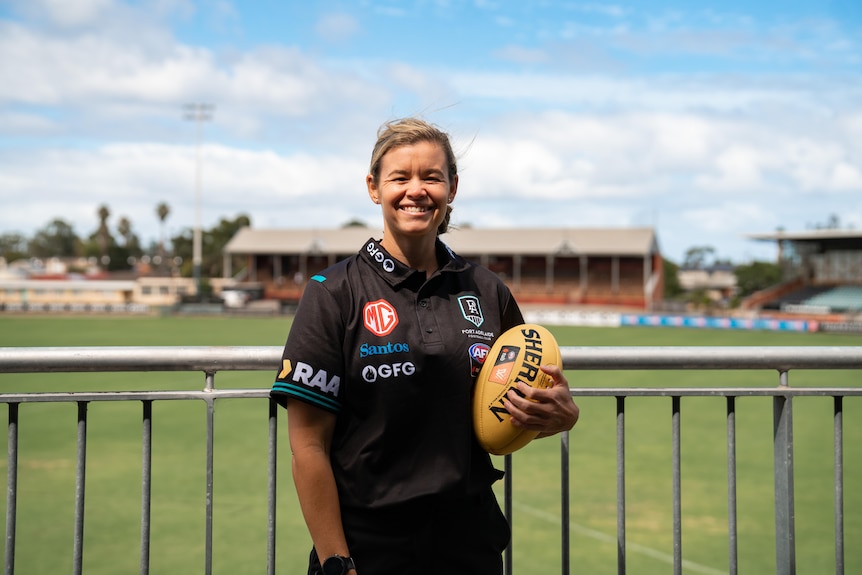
(698, 257)
(212, 246)
(672, 288)
(13, 246)
(102, 243)
(162, 211)
(57, 239)
(103, 234)
(130, 238)
(354, 223)
(755, 277)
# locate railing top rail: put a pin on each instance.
(251, 358)
(782, 358)
(138, 358)
(263, 393)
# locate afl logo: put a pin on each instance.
(479, 351)
(379, 317)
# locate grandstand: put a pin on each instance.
(822, 273)
(618, 267)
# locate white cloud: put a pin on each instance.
(337, 27)
(705, 157)
(133, 178)
(65, 14)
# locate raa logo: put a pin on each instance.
(306, 375)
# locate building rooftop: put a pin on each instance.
(488, 241)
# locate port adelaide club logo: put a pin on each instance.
(471, 310)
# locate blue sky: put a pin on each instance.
(706, 120)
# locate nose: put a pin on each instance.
(416, 187)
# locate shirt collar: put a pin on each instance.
(395, 272)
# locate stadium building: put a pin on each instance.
(614, 267)
(822, 272)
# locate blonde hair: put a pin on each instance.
(406, 132)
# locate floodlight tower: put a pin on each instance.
(198, 113)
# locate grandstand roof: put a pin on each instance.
(809, 235)
(510, 241)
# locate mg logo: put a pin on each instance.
(379, 317)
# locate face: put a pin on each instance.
(413, 189)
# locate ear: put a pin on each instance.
(373, 190)
(453, 189)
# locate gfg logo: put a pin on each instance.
(379, 257)
(385, 371)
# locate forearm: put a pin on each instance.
(318, 498)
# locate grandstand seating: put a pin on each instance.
(843, 298)
(840, 298)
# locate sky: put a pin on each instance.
(704, 120)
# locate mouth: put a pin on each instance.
(414, 209)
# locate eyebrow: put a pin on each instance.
(431, 172)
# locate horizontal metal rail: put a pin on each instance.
(211, 360)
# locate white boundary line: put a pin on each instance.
(605, 538)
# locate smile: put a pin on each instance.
(414, 209)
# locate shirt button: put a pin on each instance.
(429, 330)
(423, 303)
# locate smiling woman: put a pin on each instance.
(414, 177)
(380, 337)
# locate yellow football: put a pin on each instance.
(515, 356)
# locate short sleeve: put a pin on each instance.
(312, 365)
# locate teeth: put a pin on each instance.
(413, 209)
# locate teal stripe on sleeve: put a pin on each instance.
(302, 393)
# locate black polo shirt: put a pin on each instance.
(395, 356)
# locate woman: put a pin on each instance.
(377, 375)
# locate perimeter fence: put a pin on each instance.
(212, 360)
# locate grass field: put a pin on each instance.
(113, 499)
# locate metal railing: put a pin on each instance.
(211, 360)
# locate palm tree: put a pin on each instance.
(163, 211)
(124, 227)
(103, 234)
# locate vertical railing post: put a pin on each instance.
(208, 544)
(732, 544)
(507, 508)
(11, 487)
(621, 485)
(839, 484)
(677, 485)
(80, 489)
(785, 544)
(272, 487)
(564, 500)
(146, 483)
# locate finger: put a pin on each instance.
(556, 374)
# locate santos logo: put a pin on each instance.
(385, 371)
(306, 375)
(366, 349)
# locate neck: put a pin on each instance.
(417, 253)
